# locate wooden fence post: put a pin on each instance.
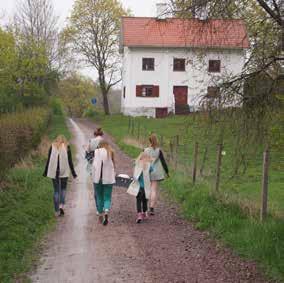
(218, 166)
(264, 193)
(194, 169)
(129, 124)
(138, 131)
(176, 154)
(162, 140)
(171, 150)
(177, 140)
(133, 126)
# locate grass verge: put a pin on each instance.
(26, 211)
(227, 221)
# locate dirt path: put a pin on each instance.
(165, 249)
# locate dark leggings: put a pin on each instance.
(59, 185)
(141, 201)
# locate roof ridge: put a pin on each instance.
(176, 18)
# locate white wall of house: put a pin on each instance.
(196, 76)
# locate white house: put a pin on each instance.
(169, 64)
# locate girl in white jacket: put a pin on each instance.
(103, 178)
(58, 167)
(141, 185)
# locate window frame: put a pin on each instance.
(145, 64)
(179, 69)
(212, 69)
(154, 91)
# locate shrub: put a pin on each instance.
(19, 133)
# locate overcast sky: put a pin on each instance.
(62, 8)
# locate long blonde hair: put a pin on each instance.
(153, 140)
(110, 152)
(59, 141)
(144, 158)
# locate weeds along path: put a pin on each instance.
(163, 249)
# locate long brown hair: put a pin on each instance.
(98, 132)
(59, 141)
(153, 140)
(110, 152)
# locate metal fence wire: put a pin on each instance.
(255, 180)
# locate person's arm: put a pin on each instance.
(164, 163)
(71, 162)
(47, 163)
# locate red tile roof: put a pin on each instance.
(173, 32)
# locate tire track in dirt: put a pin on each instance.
(165, 248)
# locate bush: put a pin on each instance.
(19, 133)
(55, 106)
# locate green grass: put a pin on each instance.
(26, 210)
(225, 215)
(244, 188)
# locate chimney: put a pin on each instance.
(201, 12)
(162, 12)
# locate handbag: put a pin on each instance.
(134, 188)
(123, 180)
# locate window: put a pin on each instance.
(147, 91)
(148, 64)
(213, 92)
(214, 66)
(179, 64)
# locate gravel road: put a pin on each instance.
(165, 248)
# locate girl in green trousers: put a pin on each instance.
(103, 178)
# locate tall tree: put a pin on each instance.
(264, 20)
(36, 31)
(94, 28)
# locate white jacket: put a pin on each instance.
(60, 153)
(134, 186)
(103, 162)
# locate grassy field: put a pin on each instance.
(231, 215)
(26, 210)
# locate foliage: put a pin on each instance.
(19, 133)
(76, 93)
(94, 29)
(26, 210)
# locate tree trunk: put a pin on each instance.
(105, 102)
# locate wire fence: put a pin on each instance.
(255, 180)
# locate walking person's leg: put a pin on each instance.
(56, 188)
(139, 206)
(153, 196)
(99, 200)
(107, 194)
(62, 194)
(144, 205)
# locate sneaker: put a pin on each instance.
(61, 212)
(144, 215)
(152, 211)
(101, 218)
(105, 221)
(139, 217)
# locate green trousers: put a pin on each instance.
(103, 197)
